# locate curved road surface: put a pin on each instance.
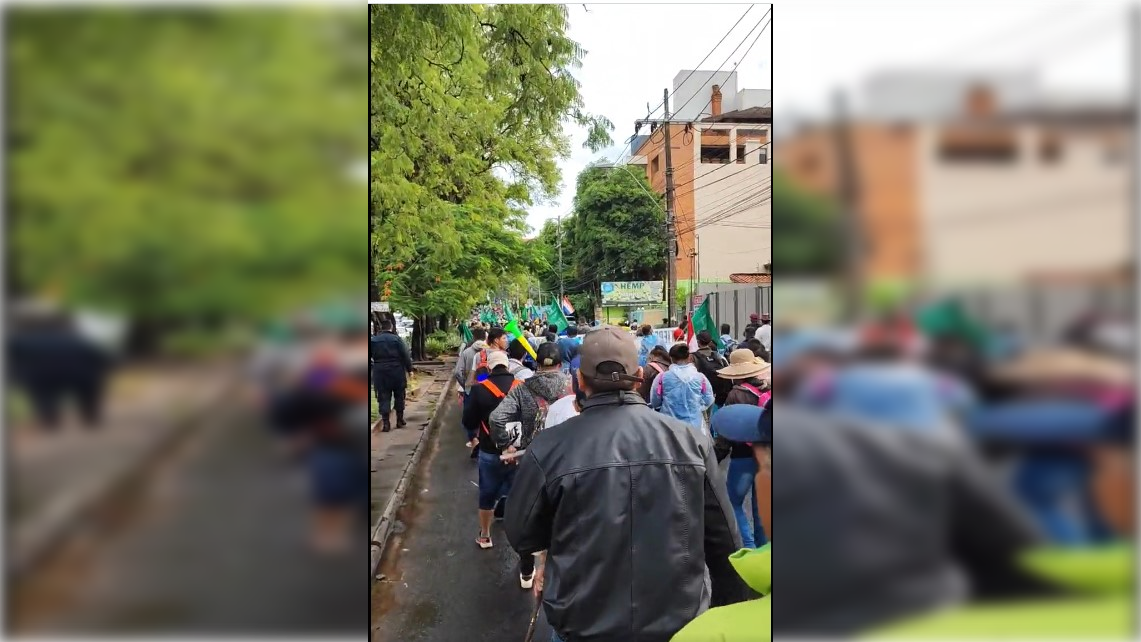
(438, 586)
(217, 544)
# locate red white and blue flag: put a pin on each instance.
(568, 309)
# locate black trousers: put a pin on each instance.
(48, 399)
(390, 386)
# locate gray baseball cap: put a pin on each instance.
(609, 344)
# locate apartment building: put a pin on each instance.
(722, 175)
(967, 181)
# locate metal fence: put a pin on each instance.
(733, 304)
(1042, 313)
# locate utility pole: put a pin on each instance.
(671, 231)
(559, 234)
(849, 229)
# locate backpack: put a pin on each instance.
(541, 414)
(499, 394)
(762, 397)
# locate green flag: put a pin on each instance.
(703, 320)
(512, 327)
(465, 332)
(555, 315)
(507, 312)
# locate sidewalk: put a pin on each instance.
(393, 453)
(54, 474)
(437, 584)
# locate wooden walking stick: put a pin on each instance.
(534, 618)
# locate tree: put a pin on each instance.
(185, 165)
(470, 105)
(618, 227)
(805, 236)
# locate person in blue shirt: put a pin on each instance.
(682, 392)
(568, 346)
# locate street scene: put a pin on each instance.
(953, 361)
(603, 241)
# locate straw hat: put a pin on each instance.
(743, 364)
(1062, 365)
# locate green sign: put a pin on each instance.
(632, 292)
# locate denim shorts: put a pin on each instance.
(495, 479)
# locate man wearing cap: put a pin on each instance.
(630, 507)
(495, 476)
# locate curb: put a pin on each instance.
(382, 529)
(35, 540)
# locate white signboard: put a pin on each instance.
(380, 306)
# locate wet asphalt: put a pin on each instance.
(438, 586)
(219, 547)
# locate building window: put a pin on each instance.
(763, 156)
(654, 165)
(715, 154)
(740, 154)
(998, 154)
(1050, 151)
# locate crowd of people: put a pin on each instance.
(311, 382)
(629, 471)
(579, 430)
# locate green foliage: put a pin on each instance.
(441, 342)
(616, 233)
(619, 226)
(805, 231)
(185, 163)
(470, 104)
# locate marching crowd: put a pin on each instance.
(579, 431)
(633, 478)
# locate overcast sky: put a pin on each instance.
(812, 47)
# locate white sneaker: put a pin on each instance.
(484, 541)
(526, 581)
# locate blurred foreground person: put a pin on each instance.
(629, 506)
(748, 620)
(881, 524)
(52, 363)
(329, 404)
(1092, 587)
(391, 365)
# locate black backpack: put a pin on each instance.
(708, 366)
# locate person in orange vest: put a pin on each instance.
(495, 474)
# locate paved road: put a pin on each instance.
(439, 586)
(218, 545)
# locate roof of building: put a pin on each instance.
(756, 278)
(747, 115)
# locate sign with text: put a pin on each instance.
(380, 306)
(632, 292)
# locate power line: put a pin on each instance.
(695, 69)
(767, 13)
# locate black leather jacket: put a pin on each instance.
(630, 507)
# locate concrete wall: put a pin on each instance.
(690, 98)
(1007, 223)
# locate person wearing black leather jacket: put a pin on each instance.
(629, 505)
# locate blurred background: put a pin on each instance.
(954, 305)
(187, 318)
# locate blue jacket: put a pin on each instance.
(682, 393)
(646, 344)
